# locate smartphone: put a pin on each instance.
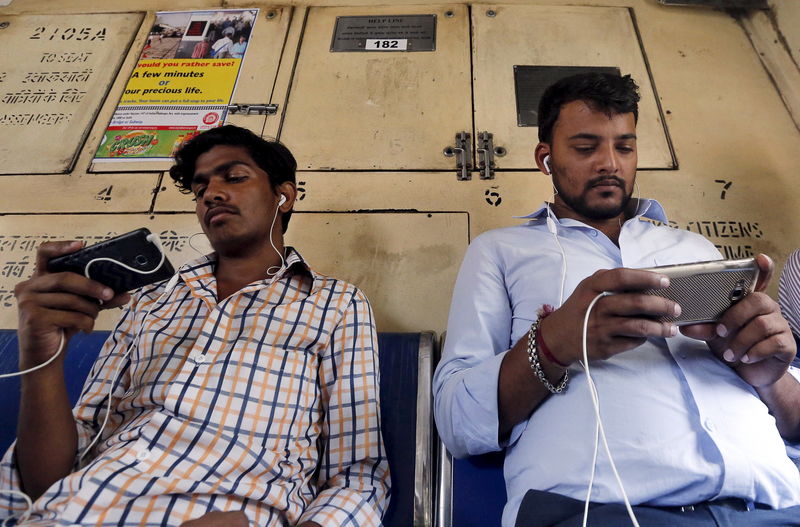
(705, 290)
(123, 263)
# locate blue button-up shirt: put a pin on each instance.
(682, 426)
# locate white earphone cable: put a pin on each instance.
(600, 428)
(275, 270)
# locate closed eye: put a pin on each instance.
(236, 177)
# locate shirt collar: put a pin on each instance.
(204, 266)
(647, 208)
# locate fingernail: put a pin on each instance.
(107, 293)
(677, 310)
(673, 330)
(76, 245)
(721, 330)
(745, 358)
(728, 355)
(664, 281)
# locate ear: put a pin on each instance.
(289, 191)
(542, 151)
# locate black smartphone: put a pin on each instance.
(123, 263)
(705, 290)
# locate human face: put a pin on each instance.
(235, 202)
(593, 159)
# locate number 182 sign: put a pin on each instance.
(386, 44)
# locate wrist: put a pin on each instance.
(543, 369)
(544, 351)
(552, 350)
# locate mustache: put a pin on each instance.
(605, 180)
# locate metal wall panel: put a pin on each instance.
(506, 36)
(376, 110)
(69, 193)
(51, 95)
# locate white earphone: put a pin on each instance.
(282, 200)
(546, 162)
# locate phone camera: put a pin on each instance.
(141, 260)
(738, 291)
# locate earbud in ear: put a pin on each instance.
(282, 200)
(546, 162)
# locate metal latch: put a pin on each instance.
(259, 109)
(463, 152)
(486, 154)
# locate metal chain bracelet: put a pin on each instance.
(536, 365)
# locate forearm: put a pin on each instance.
(783, 400)
(519, 391)
(47, 439)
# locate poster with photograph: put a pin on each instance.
(182, 84)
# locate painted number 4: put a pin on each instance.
(386, 44)
(105, 194)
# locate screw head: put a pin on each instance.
(449, 14)
(491, 13)
(271, 14)
(4, 25)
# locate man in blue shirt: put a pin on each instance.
(695, 419)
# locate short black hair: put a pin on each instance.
(604, 92)
(271, 156)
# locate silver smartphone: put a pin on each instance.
(705, 290)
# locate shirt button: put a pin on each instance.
(710, 425)
(142, 455)
(200, 359)
(593, 233)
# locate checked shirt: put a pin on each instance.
(265, 402)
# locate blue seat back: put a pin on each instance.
(399, 358)
(478, 490)
(81, 353)
(399, 361)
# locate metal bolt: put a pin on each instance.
(491, 13)
(4, 25)
(271, 15)
(449, 14)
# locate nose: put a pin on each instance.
(607, 160)
(215, 191)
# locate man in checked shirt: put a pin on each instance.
(250, 392)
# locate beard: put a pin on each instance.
(606, 211)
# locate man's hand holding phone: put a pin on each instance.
(49, 303)
(752, 335)
(619, 322)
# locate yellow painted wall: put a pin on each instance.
(399, 228)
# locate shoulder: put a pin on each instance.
(497, 239)
(793, 262)
(335, 291)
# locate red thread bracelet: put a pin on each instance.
(545, 350)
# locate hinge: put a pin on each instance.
(258, 109)
(462, 151)
(486, 154)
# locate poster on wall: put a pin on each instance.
(181, 86)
